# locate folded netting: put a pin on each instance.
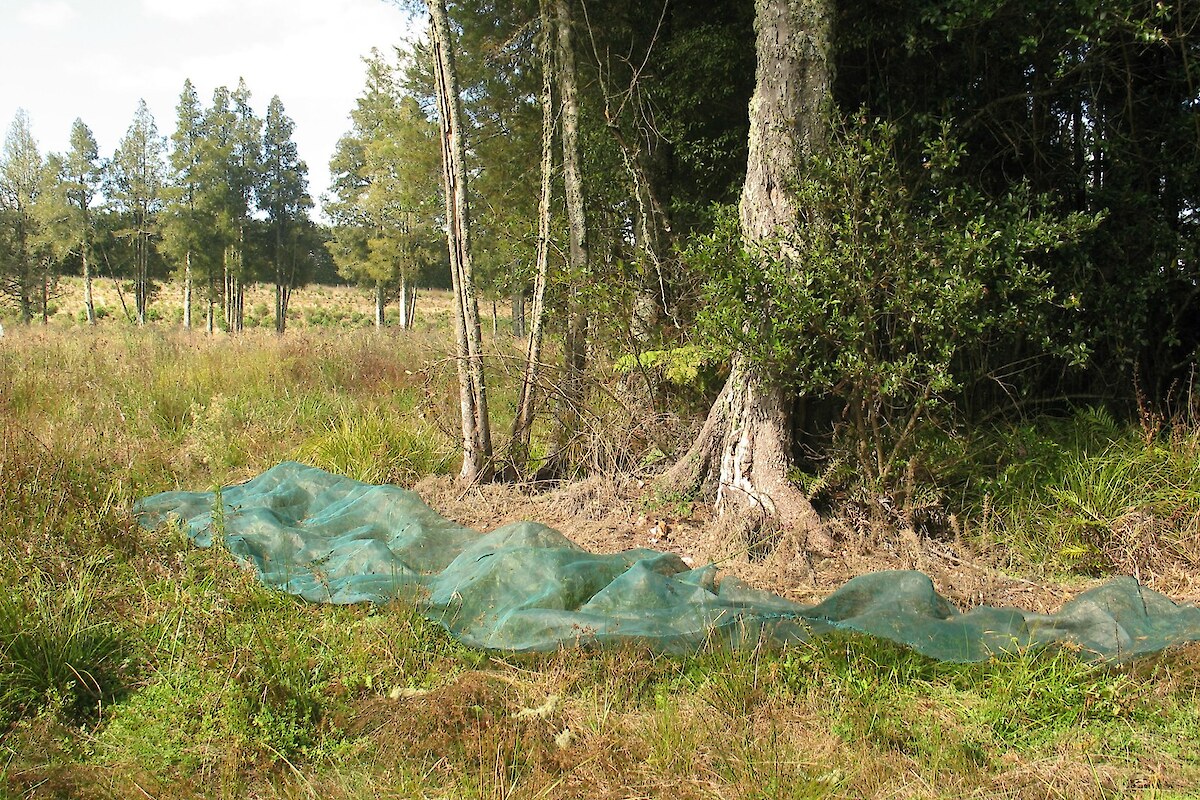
(525, 586)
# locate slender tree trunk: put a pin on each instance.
(744, 448)
(280, 305)
(380, 305)
(406, 289)
(652, 235)
(411, 314)
(187, 291)
(211, 321)
(517, 298)
(523, 421)
(240, 307)
(286, 291)
(227, 293)
(239, 301)
(403, 303)
(477, 439)
(88, 301)
(141, 292)
(575, 345)
(644, 314)
(282, 285)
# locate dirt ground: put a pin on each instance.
(605, 515)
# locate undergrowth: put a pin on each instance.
(1087, 494)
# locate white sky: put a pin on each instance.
(94, 59)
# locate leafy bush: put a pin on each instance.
(889, 281)
(689, 372)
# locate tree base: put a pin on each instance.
(742, 456)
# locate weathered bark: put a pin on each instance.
(744, 448)
(476, 427)
(523, 421)
(575, 344)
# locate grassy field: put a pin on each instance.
(135, 665)
(316, 306)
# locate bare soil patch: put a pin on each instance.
(608, 514)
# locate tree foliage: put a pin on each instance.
(385, 198)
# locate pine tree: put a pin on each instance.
(186, 228)
(244, 180)
(386, 175)
(283, 196)
(82, 174)
(136, 185)
(229, 171)
(25, 257)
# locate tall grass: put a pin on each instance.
(132, 664)
(58, 651)
(1090, 495)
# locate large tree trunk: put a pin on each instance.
(523, 421)
(476, 427)
(745, 446)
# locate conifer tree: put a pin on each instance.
(82, 175)
(283, 196)
(136, 183)
(386, 193)
(25, 257)
(186, 229)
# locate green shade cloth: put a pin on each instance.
(525, 586)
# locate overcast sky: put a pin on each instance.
(94, 59)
